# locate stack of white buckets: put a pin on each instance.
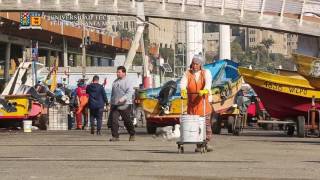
(27, 126)
(193, 128)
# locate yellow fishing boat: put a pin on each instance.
(283, 96)
(226, 83)
(20, 107)
(224, 98)
(308, 67)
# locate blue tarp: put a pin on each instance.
(222, 71)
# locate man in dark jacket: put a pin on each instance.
(97, 100)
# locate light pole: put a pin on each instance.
(83, 60)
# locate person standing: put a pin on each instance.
(97, 100)
(82, 99)
(121, 104)
(196, 86)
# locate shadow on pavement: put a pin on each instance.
(117, 160)
(285, 141)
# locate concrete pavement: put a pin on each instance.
(79, 155)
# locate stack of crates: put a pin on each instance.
(58, 117)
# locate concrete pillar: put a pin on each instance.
(7, 63)
(75, 60)
(88, 60)
(194, 40)
(65, 52)
(225, 49)
(56, 57)
(99, 62)
(48, 58)
(92, 61)
(318, 46)
(70, 60)
(23, 48)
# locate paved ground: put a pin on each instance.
(79, 155)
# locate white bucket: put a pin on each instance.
(192, 128)
(27, 126)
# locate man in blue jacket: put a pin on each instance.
(97, 100)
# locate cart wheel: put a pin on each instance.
(151, 128)
(215, 124)
(230, 123)
(237, 126)
(236, 132)
(180, 149)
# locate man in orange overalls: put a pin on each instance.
(196, 86)
(82, 110)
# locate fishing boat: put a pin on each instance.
(19, 107)
(283, 96)
(308, 67)
(225, 85)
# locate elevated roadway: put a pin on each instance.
(296, 16)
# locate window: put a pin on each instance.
(132, 24)
(126, 25)
(252, 39)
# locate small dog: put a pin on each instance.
(168, 133)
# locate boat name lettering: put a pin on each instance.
(272, 85)
(298, 90)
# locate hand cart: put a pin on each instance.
(193, 130)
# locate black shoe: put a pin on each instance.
(132, 138)
(92, 130)
(209, 148)
(198, 148)
(113, 139)
(98, 132)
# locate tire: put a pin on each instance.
(237, 126)
(230, 123)
(43, 122)
(141, 117)
(151, 129)
(300, 126)
(236, 132)
(290, 131)
(216, 124)
(267, 126)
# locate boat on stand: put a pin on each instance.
(286, 97)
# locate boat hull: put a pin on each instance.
(281, 105)
(282, 96)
